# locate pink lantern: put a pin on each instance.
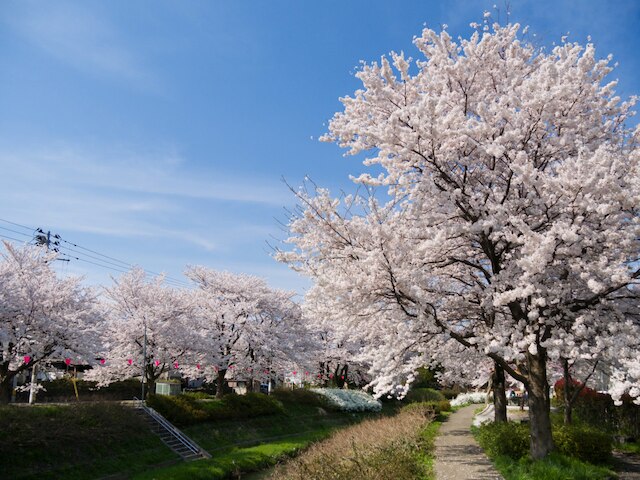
(102, 361)
(267, 372)
(331, 375)
(129, 361)
(67, 361)
(306, 373)
(157, 363)
(342, 377)
(175, 365)
(295, 372)
(198, 366)
(27, 359)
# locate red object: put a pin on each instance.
(175, 364)
(295, 372)
(102, 361)
(267, 372)
(27, 359)
(67, 361)
(198, 366)
(129, 361)
(319, 375)
(157, 362)
(331, 375)
(306, 373)
(342, 377)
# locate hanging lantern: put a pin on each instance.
(102, 361)
(129, 361)
(295, 372)
(342, 377)
(198, 366)
(67, 361)
(26, 359)
(266, 372)
(306, 373)
(175, 365)
(331, 375)
(157, 363)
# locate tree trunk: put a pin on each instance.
(499, 395)
(220, 382)
(567, 393)
(341, 379)
(539, 405)
(5, 389)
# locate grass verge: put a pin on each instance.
(78, 441)
(554, 467)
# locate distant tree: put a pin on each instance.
(133, 305)
(42, 317)
(245, 324)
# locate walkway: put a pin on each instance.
(458, 456)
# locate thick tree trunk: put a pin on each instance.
(220, 383)
(499, 395)
(5, 390)
(539, 405)
(567, 393)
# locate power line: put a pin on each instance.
(121, 266)
(12, 238)
(17, 224)
(16, 231)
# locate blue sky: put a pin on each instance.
(158, 132)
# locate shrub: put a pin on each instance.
(300, 396)
(350, 400)
(178, 409)
(187, 409)
(583, 442)
(424, 395)
(468, 398)
(577, 441)
(510, 439)
(429, 408)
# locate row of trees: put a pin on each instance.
(225, 323)
(509, 235)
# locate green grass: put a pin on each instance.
(76, 442)
(236, 460)
(554, 467)
(633, 447)
(255, 443)
(425, 455)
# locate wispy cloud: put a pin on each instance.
(131, 195)
(80, 38)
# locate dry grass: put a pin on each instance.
(377, 449)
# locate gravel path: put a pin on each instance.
(458, 456)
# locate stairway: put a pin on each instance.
(170, 435)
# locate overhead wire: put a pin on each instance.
(106, 261)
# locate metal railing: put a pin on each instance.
(164, 423)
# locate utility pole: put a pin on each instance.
(45, 240)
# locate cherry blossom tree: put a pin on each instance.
(42, 317)
(512, 225)
(246, 325)
(150, 327)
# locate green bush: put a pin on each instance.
(179, 409)
(188, 409)
(577, 441)
(424, 395)
(451, 393)
(509, 439)
(583, 442)
(430, 409)
(300, 396)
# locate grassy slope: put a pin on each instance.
(76, 442)
(252, 444)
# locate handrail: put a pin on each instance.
(186, 441)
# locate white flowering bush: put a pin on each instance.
(468, 398)
(350, 400)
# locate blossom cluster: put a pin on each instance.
(350, 400)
